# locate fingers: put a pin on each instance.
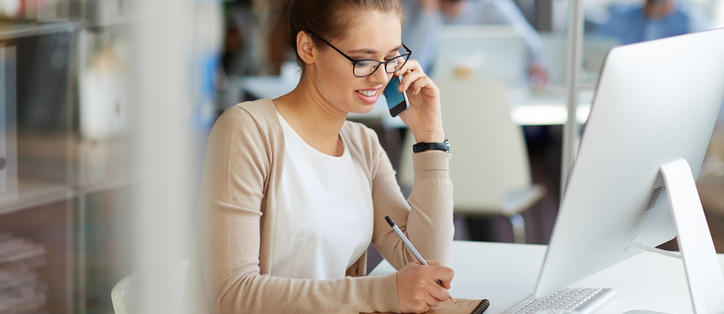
(410, 66)
(439, 293)
(439, 272)
(431, 301)
(419, 84)
(417, 287)
(431, 297)
(414, 79)
(409, 78)
(444, 274)
(421, 308)
(441, 275)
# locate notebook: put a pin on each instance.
(460, 306)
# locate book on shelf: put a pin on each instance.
(21, 288)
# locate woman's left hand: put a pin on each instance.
(423, 116)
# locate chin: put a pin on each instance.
(361, 108)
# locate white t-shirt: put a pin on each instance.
(324, 216)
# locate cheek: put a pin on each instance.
(337, 80)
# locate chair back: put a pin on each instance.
(123, 294)
(489, 157)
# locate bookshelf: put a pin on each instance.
(64, 183)
(38, 202)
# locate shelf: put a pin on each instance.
(108, 185)
(34, 193)
(12, 29)
(116, 21)
(104, 165)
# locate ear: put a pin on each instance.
(306, 48)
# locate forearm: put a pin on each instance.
(235, 282)
(426, 218)
(255, 293)
(430, 220)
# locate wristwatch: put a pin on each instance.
(423, 146)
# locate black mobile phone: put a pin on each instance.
(396, 100)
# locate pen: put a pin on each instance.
(412, 248)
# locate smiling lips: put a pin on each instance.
(368, 95)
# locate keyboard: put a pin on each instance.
(579, 300)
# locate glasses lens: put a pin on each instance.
(365, 67)
(396, 64)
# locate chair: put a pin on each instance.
(122, 293)
(489, 167)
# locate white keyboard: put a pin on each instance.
(580, 300)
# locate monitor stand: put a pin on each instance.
(703, 272)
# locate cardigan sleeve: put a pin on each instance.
(236, 172)
(425, 217)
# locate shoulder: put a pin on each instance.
(362, 140)
(252, 122)
(258, 114)
(259, 110)
(359, 134)
(364, 146)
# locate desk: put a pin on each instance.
(546, 107)
(506, 273)
(527, 108)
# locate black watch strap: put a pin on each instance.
(423, 146)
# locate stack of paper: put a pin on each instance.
(21, 290)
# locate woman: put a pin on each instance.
(296, 194)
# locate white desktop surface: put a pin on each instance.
(527, 108)
(506, 273)
(546, 106)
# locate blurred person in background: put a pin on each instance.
(295, 194)
(255, 39)
(255, 44)
(652, 19)
(250, 36)
(425, 18)
(238, 53)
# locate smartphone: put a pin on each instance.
(396, 100)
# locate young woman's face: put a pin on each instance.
(370, 35)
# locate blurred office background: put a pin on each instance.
(105, 106)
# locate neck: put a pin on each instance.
(312, 116)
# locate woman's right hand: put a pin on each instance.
(417, 288)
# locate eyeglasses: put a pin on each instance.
(366, 67)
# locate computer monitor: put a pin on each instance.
(655, 103)
(487, 51)
(554, 54)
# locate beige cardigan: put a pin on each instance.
(243, 166)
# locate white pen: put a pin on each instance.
(412, 248)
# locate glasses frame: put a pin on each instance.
(356, 61)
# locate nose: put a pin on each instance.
(380, 75)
